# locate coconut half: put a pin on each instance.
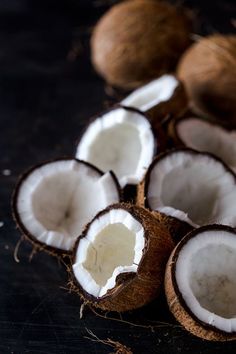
(193, 187)
(120, 140)
(54, 201)
(119, 260)
(202, 135)
(200, 282)
(159, 98)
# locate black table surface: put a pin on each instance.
(48, 90)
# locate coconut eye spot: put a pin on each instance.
(213, 279)
(113, 247)
(117, 148)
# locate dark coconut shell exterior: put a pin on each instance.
(208, 71)
(176, 303)
(134, 290)
(39, 246)
(137, 41)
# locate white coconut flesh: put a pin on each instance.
(56, 200)
(206, 278)
(193, 187)
(121, 141)
(113, 244)
(203, 136)
(150, 95)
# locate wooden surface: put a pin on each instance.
(48, 90)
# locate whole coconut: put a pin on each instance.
(136, 41)
(208, 71)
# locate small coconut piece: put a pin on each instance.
(191, 187)
(208, 71)
(137, 41)
(120, 140)
(200, 282)
(119, 260)
(202, 135)
(55, 200)
(158, 99)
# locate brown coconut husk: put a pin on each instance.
(179, 308)
(136, 41)
(134, 290)
(208, 71)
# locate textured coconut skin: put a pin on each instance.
(134, 290)
(136, 41)
(177, 305)
(26, 235)
(208, 71)
(177, 228)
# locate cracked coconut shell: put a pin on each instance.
(130, 284)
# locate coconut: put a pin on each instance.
(136, 41)
(159, 99)
(120, 140)
(191, 187)
(55, 200)
(119, 260)
(200, 282)
(202, 135)
(208, 71)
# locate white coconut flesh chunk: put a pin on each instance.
(113, 244)
(203, 136)
(150, 95)
(55, 201)
(193, 187)
(120, 140)
(206, 278)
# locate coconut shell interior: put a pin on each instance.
(133, 290)
(175, 299)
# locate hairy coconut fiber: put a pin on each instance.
(208, 71)
(136, 41)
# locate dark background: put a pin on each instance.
(48, 90)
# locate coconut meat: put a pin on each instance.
(197, 186)
(58, 199)
(203, 136)
(150, 95)
(206, 278)
(121, 141)
(113, 244)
